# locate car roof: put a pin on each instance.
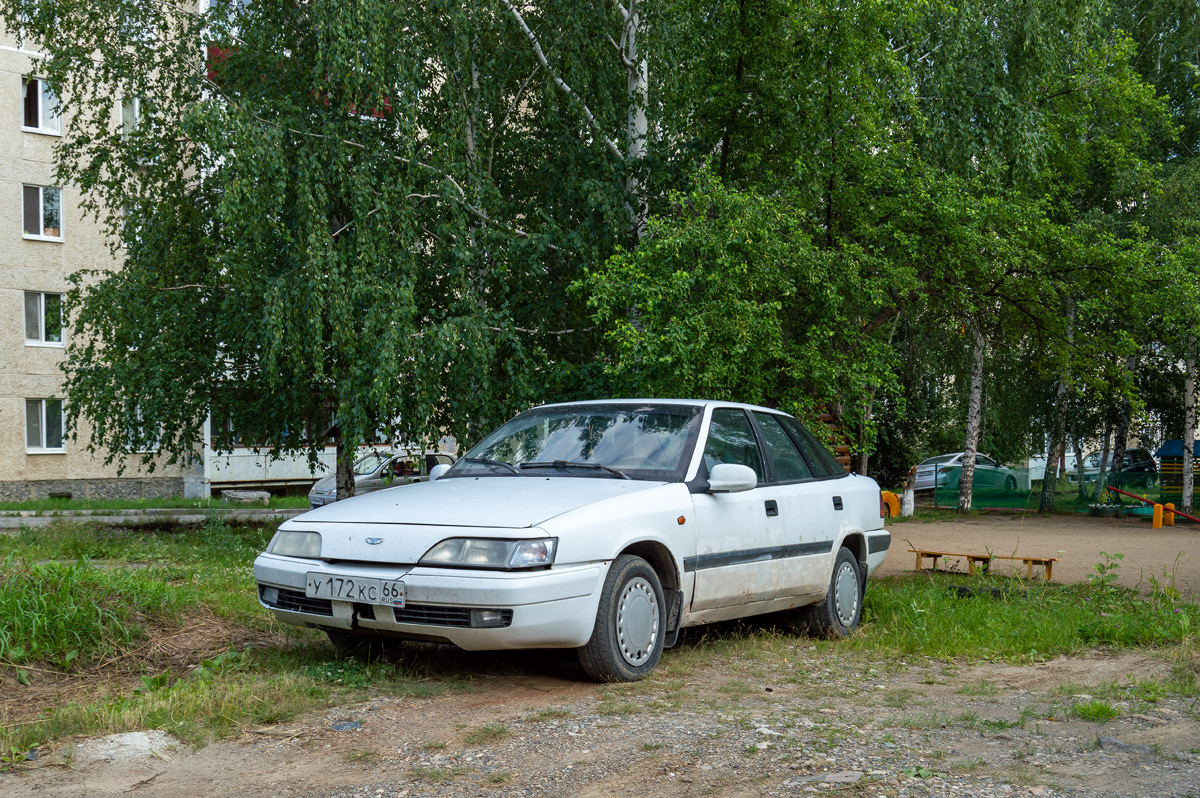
(681, 402)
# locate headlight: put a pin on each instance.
(488, 553)
(296, 544)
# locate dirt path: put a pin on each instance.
(1077, 541)
(788, 717)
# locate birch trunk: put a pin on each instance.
(1078, 444)
(908, 502)
(637, 92)
(1119, 444)
(1049, 479)
(345, 470)
(1189, 425)
(974, 415)
(1105, 451)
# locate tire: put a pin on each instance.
(627, 639)
(839, 612)
(1010, 484)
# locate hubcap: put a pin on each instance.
(845, 594)
(637, 621)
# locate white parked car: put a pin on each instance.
(602, 526)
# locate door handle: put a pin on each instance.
(837, 502)
(772, 508)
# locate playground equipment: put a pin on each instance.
(1162, 513)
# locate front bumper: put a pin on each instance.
(554, 608)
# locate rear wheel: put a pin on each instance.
(839, 612)
(627, 639)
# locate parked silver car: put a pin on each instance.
(380, 469)
(944, 471)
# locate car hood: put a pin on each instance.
(495, 502)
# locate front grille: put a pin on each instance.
(434, 615)
(296, 601)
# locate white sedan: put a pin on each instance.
(603, 526)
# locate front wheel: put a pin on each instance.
(1010, 484)
(627, 639)
(840, 611)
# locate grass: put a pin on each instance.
(487, 733)
(74, 594)
(921, 615)
(1094, 710)
(75, 613)
(438, 775)
(51, 506)
(552, 713)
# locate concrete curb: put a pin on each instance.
(146, 517)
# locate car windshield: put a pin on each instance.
(604, 441)
(369, 463)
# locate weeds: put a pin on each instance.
(487, 733)
(1094, 710)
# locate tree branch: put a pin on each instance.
(516, 101)
(625, 62)
(611, 145)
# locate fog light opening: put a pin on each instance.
(490, 619)
(270, 595)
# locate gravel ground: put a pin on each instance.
(796, 718)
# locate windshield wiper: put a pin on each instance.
(572, 464)
(488, 461)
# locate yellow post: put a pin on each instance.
(1157, 518)
(1169, 515)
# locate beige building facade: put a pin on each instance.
(44, 238)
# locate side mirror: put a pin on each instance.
(437, 471)
(731, 478)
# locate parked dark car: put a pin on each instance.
(1138, 471)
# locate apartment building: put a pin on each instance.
(43, 239)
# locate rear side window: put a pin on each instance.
(731, 440)
(823, 463)
(789, 464)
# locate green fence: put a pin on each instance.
(1015, 489)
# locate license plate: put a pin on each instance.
(389, 592)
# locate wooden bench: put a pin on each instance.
(984, 561)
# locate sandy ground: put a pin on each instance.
(1170, 553)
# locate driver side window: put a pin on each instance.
(731, 440)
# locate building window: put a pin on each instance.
(43, 319)
(142, 439)
(131, 112)
(43, 212)
(43, 425)
(41, 107)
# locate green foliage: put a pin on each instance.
(402, 220)
(736, 273)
